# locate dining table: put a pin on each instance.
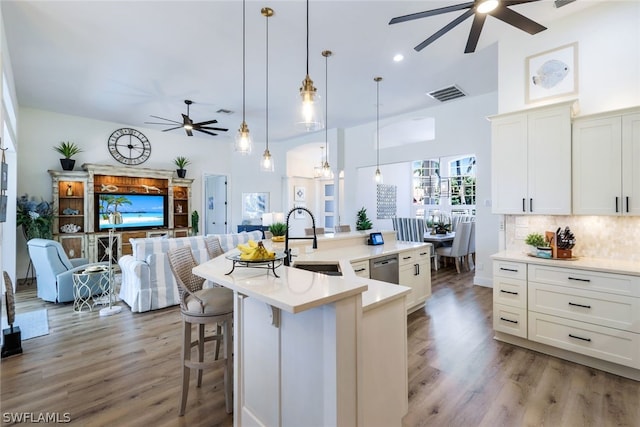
(438, 240)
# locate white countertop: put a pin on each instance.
(581, 263)
(298, 290)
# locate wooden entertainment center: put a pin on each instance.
(74, 207)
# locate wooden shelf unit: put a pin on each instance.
(75, 191)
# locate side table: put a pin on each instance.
(90, 287)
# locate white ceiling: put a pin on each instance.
(122, 61)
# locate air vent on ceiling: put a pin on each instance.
(224, 111)
(447, 93)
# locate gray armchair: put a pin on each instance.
(54, 270)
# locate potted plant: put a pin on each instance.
(68, 150)
(181, 162)
(538, 243)
(362, 221)
(195, 219)
(278, 229)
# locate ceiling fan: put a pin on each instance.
(480, 9)
(188, 125)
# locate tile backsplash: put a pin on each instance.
(596, 236)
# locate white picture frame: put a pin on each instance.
(299, 193)
(552, 73)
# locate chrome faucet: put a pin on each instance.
(287, 251)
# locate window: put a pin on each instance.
(329, 205)
(426, 182)
(462, 181)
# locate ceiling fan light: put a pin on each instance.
(243, 140)
(188, 127)
(486, 6)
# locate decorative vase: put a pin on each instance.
(67, 164)
(181, 173)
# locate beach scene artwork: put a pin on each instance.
(131, 210)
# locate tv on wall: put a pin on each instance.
(131, 211)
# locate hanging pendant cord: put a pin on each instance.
(378, 124)
(307, 37)
(267, 85)
(243, 59)
(326, 107)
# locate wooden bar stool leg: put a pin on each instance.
(186, 356)
(200, 351)
(228, 369)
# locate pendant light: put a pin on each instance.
(378, 176)
(311, 119)
(326, 169)
(243, 142)
(266, 165)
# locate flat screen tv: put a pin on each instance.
(131, 211)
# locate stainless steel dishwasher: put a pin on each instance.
(384, 268)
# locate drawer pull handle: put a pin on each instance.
(512, 321)
(406, 257)
(579, 305)
(509, 292)
(580, 338)
(424, 253)
(579, 279)
(359, 270)
(509, 269)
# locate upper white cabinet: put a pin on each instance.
(531, 161)
(606, 164)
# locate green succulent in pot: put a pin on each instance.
(68, 150)
(278, 229)
(537, 240)
(181, 162)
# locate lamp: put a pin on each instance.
(486, 6)
(243, 137)
(378, 176)
(311, 119)
(318, 171)
(266, 165)
(326, 169)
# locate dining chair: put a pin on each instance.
(458, 249)
(471, 253)
(202, 307)
(343, 228)
(309, 231)
(214, 249)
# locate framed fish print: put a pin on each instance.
(551, 74)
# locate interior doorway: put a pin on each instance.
(215, 204)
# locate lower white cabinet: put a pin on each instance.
(361, 268)
(591, 313)
(415, 272)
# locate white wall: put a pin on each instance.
(608, 37)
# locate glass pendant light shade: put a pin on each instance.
(311, 116)
(243, 142)
(266, 164)
(378, 176)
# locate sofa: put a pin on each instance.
(147, 280)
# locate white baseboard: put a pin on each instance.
(487, 282)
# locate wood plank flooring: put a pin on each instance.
(124, 370)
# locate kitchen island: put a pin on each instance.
(314, 349)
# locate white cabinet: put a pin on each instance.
(606, 164)
(415, 272)
(510, 298)
(531, 161)
(361, 268)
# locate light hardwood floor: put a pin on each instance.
(124, 370)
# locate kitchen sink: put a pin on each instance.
(328, 269)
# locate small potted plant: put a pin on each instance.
(68, 150)
(278, 229)
(539, 245)
(181, 162)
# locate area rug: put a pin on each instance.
(32, 323)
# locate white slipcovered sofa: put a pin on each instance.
(147, 280)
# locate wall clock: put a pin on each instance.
(129, 146)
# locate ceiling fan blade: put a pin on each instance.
(474, 34)
(177, 127)
(157, 123)
(515, 2)
(210, 128)
(517, 20)
(206, 131)
(208, 122)
(432, 12)
(162, 118)
(444, 30)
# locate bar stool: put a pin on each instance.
(211, 306)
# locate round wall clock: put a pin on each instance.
(129, 146)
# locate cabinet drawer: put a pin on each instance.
(361, 268)
(611, 310)
(515, 270)
(596, 341)
(407, 257)
(510, 291)
(510, 320)
(582, 279)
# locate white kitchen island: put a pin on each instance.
(316, 350)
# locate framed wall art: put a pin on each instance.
(552, 73)
(299, 193)
(253, 206)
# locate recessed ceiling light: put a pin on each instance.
(398, 57)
